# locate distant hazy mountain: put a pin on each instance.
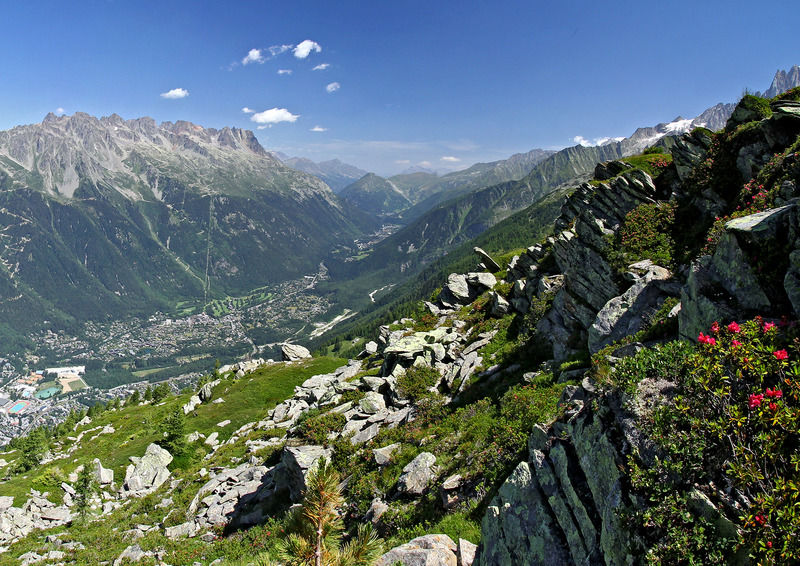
(713, 118)
(434, 230)
(109, 216)
(375, 195)
(335, 173)
(423, 189)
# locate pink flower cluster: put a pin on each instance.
(703, 339)
(756, 399)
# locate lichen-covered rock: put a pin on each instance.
(146, 474)
(628, 313)
(562, 505)
(428, 550)
(727, 285)
(298, 461)
(417, 474)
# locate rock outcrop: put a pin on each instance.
(146, 474)
(294, 352)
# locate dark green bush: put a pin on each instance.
(316, 428)
(417, 381)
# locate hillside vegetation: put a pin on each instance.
(623, 390)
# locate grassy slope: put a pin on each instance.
(246, 400)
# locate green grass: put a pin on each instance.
(146, 372)
(246, 400)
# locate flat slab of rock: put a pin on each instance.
(487, 260)
(294, 352)
(384, 455)
(428, 550)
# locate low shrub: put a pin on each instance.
(734, 423)
(646, 233)
(316, 428)
(417, 381)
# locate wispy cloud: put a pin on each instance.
(269, 118)
(305, 47)
(450, 159)
(175, 93)
(318, 129)
(403, 161)
(59, 110)
(321, 67)
(276, 50)
(424, 164)
(580, 140)
(247, 110)
(333, 87)
(284, 71)
(262, 55)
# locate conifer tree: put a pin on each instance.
(317, 537)
(84, 488)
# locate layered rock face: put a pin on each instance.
(563, 503)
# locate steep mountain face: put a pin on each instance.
(464, 218)
(107, 216)
(783, 81)
(434, 190)
(375, 195)
(336, 174)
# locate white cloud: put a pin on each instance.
(59, 110)
(268, 118)
(253, 56)
(424, 164)
(580, 140)
(276, 50)
(284, 71)
(247, 110)
(262, 55)
(333, 87)
(175, 93)
(321, 67)
(450, 159)
(402, 161)
(305, 47)
(318, 129)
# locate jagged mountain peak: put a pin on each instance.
(61, 151)
(783, 81)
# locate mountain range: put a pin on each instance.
(108, 217)
(103, 218)
(335, 173)
(593, 396)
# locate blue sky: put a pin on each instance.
(435, 82)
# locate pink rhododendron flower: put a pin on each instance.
(715, 327)
(755, 400)
(768, 326)
(774, 393)
(773, 407)
(735, 343)
(780, 354)
(734, 327)
(761, 520)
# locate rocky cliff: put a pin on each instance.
(565, 503)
